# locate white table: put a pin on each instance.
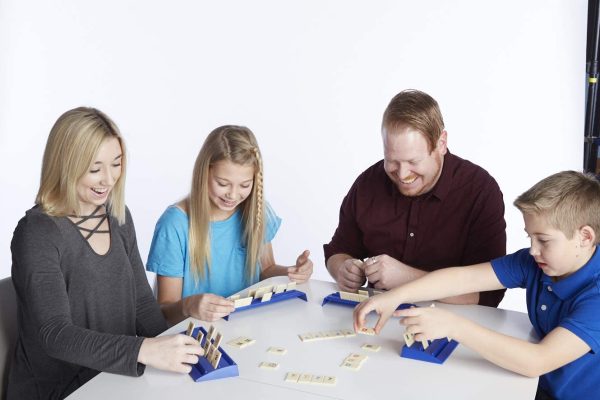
(464, 375)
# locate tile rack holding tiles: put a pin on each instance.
(266, 295)
(209, 368)
(352, 299)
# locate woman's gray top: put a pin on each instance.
(78, 312)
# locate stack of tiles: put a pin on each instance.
(241, 342)
(354, 361)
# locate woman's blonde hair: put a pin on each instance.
(238, 145)
(71, 148)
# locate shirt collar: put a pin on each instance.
(568, 287)
(444, 183)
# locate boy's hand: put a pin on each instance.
(303, 269)
(351, 275)
(383, 304)
(429, 323)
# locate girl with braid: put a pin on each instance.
(217, 240)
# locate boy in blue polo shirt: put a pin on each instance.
(561, 272)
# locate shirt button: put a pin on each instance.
(549, 288)
(411, 234)
(543, 307)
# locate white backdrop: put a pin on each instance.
(310, 78)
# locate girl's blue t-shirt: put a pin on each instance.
(169, 252)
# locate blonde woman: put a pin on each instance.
(84, 303)
(217, 241)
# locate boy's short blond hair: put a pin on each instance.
(569, 200)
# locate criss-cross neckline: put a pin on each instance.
(93, 215)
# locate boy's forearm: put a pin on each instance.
(443, 283)
(449, 282)
(558, 348)
(505, 351)
(463, 299)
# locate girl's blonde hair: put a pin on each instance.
(71, 148)
(238, 145)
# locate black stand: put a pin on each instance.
(591, 140)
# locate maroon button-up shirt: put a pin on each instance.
(460, 221)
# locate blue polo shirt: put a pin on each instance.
(572, 303)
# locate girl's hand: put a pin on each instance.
(429, 323)
(176, 353)
(207, 307)
(303, 269)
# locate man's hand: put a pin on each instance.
(385, 272)
(351, 275)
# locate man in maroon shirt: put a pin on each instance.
(418, 210)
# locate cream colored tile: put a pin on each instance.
(367, 331)
(266, 297)
(268, 365)
(241, 342)
(218, 339)
(307, 337)
(246, 301)
(277, 350)
(305, 378)
(216, 358)
(292, 377)
(353, 365)
(329, 380)
(190, 328)
(348, 332)
(346, 295)
(371, 347)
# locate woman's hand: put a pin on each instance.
(176, 353)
